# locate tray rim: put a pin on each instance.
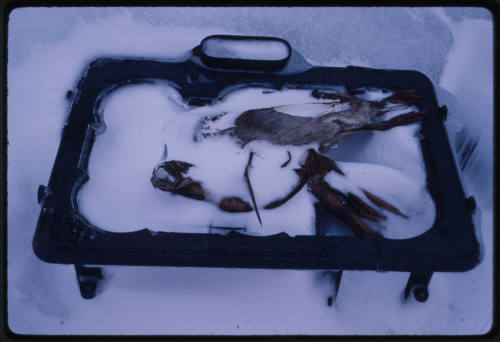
(64, 236)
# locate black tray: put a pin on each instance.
(64, 236)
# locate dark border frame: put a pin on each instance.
(237, 63)
(9, 5)
(63, 235)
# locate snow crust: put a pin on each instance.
(49, 47)
(246, 49)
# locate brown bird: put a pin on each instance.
(332, 119)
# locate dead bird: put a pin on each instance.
(327, 129)
(334, 118)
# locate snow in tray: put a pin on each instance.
(119, 196)
(249, 49)
(48, 49)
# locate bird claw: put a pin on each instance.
(383, 204)
(349, 208)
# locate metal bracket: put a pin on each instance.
(471, 203)
(443, 111)
(335, 277)
(199, 101)
(43, 192)
(419, 281)
(87, 278)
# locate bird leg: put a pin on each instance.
(315, 164)
(400, 120)
(338, 204)
(383, 204)
(363, 209)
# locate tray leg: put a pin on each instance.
(335, 277)
(418, 281)
(87, 278)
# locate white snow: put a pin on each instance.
(253, 49)
(119, 197)
(374, 94)
(49, 48)
(396, 148)
(472, 56)
(122, 162)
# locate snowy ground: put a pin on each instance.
(48, 50)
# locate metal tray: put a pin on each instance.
(64, 236)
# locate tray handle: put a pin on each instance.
(244, 52)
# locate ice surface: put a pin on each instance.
(246, 49)
(49, 47)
